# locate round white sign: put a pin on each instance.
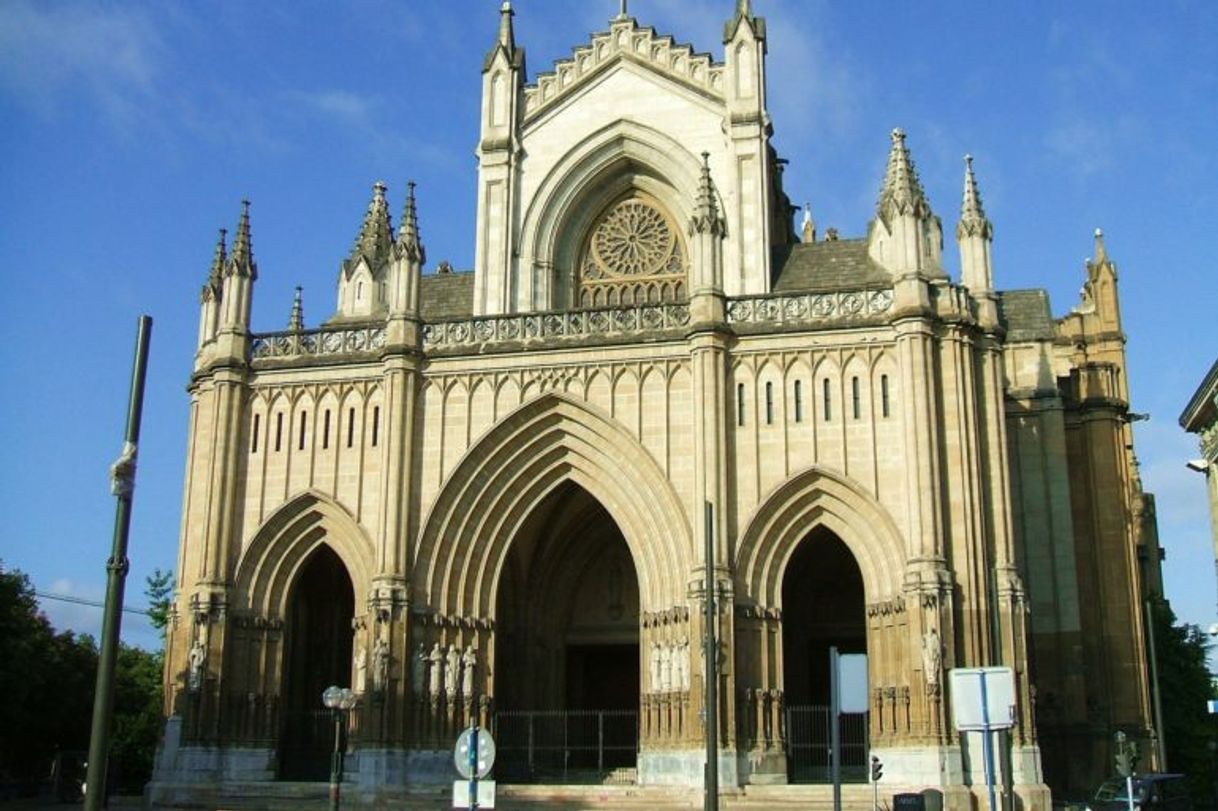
(486, 753)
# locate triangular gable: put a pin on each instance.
(626, 40)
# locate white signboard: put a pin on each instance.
(852, 682)
(486, 794)
(970, 711)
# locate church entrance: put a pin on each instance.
(823, 607)
(317, 655)
(567, 650)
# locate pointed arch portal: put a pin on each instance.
(321, 605)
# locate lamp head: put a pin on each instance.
(1198, 465)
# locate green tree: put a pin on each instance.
(47, 683)
(1186, 684)
(158, 588)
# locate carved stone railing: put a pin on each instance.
(318, 342)
(808, 308)
(785, 308)
(551, 325)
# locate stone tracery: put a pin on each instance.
(633, 255)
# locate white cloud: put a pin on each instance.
(50, 52)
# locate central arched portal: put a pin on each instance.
(567, 647)
(823, 608)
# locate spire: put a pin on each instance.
(973, 221)
(241, 260)
(706, 209)
(409, 244)
(217, 264)
(507, 36)
(902, 192)
(809, 225)
(623, 13)
(744, 13)
(375, 240)
(1101, 250)
(296, 321)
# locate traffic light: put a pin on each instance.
(877, 769)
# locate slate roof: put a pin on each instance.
(826, 266)
(1026, 315)
(446, 295)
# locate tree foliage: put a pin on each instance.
(1185, 685)
(47, 681)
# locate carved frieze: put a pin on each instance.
(317, 342)
(809, 308)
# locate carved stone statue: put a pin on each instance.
(666, 668)
(436, 681)
(452, 666)
(932, 656)
(681, 664)
(418, 671)
(655, 667)
(380, 665)
(359, 666)
(198, 657)
(469, 660)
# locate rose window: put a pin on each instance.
(633, 239)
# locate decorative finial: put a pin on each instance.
(809, 224)
(507, 37)
(973, 221)
(374, 243)
(296, 322)
(1101, 250)
(241, 260)
(706, 210)
(902, 192)
(408, 243)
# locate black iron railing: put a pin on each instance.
(568, 746)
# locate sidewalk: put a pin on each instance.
(49, 804)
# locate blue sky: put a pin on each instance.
(129, 132)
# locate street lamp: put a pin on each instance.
(340, 700)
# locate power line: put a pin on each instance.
(63, 598)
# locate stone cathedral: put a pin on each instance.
(480, 496)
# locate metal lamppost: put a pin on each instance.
(340, 700)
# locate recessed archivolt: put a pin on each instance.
(817, 498)
(509, 472)
(622, 157)
(287, 539)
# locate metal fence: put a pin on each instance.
(808, 755)
(577, 746)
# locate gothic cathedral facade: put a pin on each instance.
(482, 496)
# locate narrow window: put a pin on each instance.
(257, 422)
(740, 404)
(799, 401)
(325, 431)
(884, 394)
(350, 427)
(827, 399)
(376, 424)
(856, 400)
(278, 431)
(304, 420)
(769, 403)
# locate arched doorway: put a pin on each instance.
(567, 647)
(317, 654)
(822, 607)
